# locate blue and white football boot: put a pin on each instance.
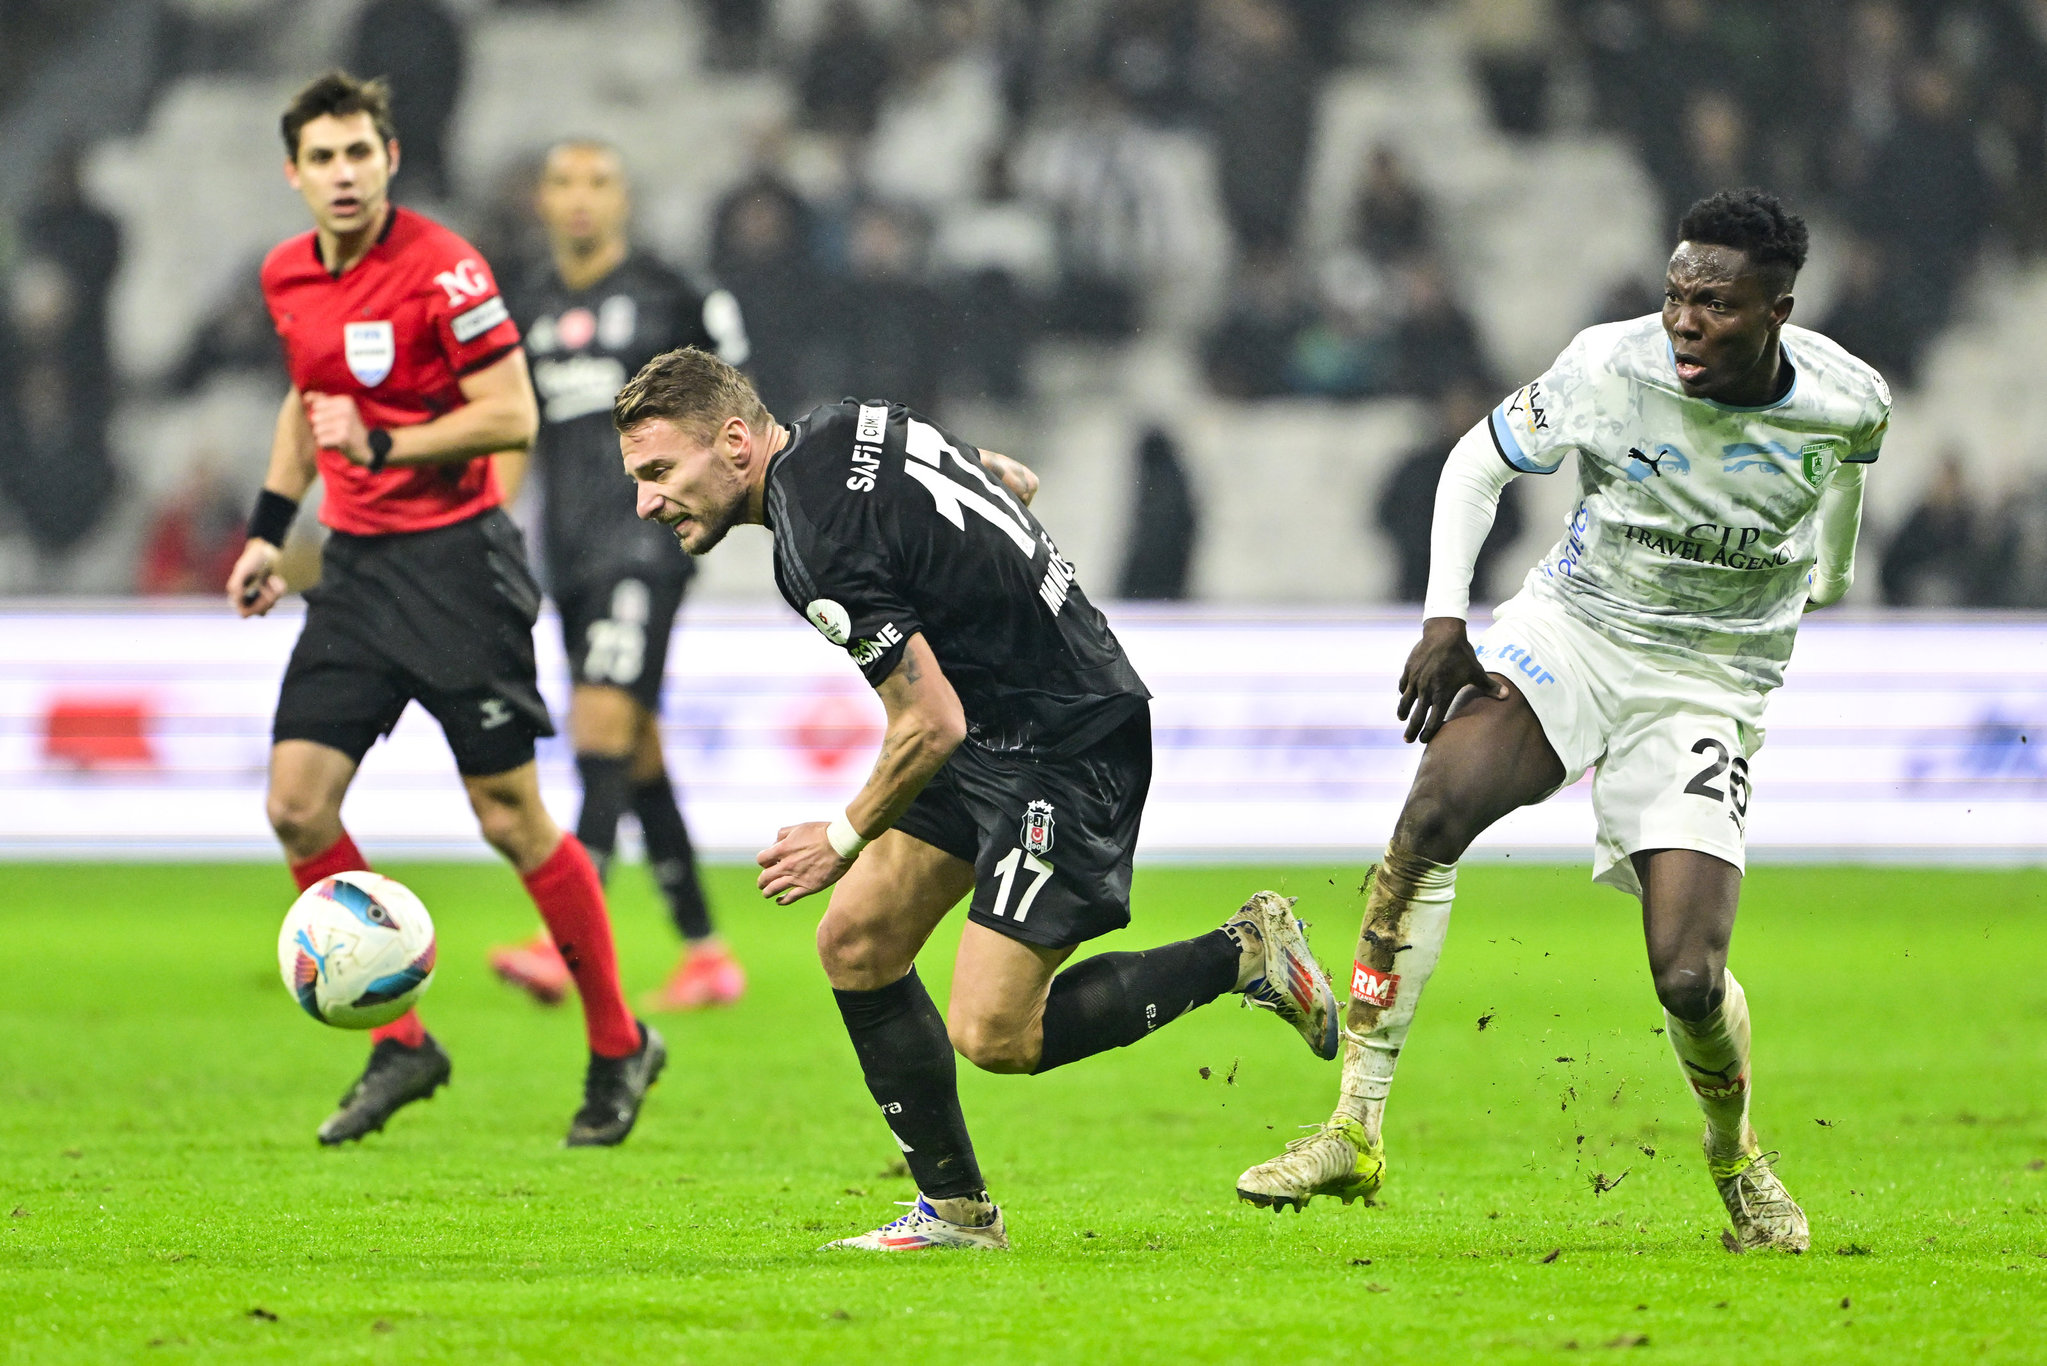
(923, 1228)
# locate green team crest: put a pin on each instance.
(1814, 457)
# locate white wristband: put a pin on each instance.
(844, 839)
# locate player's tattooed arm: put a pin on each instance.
(1016, 476)
(1441, 665)
(498, 413)
(253, 585)
(925, 725)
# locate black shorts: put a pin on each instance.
(1051, 840)
(444, 617)
(616, 631)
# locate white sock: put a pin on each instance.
(1407, 918)
(1713, 1054)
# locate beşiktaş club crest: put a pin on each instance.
(370, 349)
(1036, 836)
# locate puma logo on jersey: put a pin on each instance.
(1642, 465)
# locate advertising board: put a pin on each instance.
(128, 730)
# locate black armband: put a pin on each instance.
(271, 521)
(380, 449)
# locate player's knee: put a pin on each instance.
(1432, 826)
(300, 818)
(518, 830)
(994, 1045)
(1691, 987)
(855, 958)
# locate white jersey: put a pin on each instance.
(1694, 531)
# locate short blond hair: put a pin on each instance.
(692, 389)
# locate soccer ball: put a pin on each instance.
(356, 950)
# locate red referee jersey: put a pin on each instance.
(396, 333)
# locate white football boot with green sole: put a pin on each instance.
(1334, 1160)
(1763, 1212)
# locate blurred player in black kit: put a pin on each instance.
(1012, 774)
(592, 317)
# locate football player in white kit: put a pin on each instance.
(1721, 454)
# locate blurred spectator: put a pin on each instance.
(1393, 221)
(891, 324)
(760, 250)
(1869, 317)
(2015, 547)
(1925, 198)
(194, 538)
(54, 365)
(420, 47)
(502, 225)
(1510, 42)
(83, 242)
(1001, 254)
(1406, 507)
(1261, 90)
(1115, 218)
(738, 31)
(1250, 352)
(1935, 559)
(1436, 341)
(1164, 525)
(1145, 55)
(54, 465)
(1632, 296)
(1715, 153)
(235, 337)
(842, 75)
(943, 115)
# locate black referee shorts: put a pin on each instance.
(1051, 840)
(442, 617)
(616, 631)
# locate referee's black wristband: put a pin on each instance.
(271, 521)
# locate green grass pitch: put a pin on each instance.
(161, 1197)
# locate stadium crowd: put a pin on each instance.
(1052, 167)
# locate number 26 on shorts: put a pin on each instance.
(1702, 783)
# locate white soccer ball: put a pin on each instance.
(356, 950)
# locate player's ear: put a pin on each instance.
(291, 172)
(391, 149)
(1780, 311)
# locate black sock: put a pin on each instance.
(907, 1056)
(1114, 999)
(604, 797)
(672, 857)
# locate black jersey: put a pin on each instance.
(584, 344)
(886, 526)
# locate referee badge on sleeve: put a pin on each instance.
(370, 349)
(1036, 836)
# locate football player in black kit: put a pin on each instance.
(1013, 770)
(591, 317)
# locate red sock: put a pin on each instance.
(343, 857)
(339, 857)
(571, 901)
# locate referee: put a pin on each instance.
(406, 377)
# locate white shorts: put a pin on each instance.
(1669, 745)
